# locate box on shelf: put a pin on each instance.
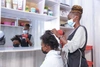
(7, 21)
(23, 22)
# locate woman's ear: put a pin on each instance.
(75, 18)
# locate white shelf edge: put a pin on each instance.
(8, 25)
(66, 28)
(63, 18)
(51, 3)
(64, 7)
(11, 26)
(19, 49)
(23, 14)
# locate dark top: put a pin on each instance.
(77, 58)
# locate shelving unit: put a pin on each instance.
(11, 13)
(63, 17)
(10, 49)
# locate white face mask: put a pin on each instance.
(25, 31)
(71, 23)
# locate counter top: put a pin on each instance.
(19, 49)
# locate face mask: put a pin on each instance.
(71, 23)
(25, 31)
(44, 52)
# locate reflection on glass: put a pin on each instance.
(14, 35)
(23, 40)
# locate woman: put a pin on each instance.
(74, 46)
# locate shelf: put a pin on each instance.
(63, 18)
(64, 7)
(19, 49)
(21, 14)
(8, 25)
(11, 26)
(66, 28)
(50, 3)
(35, 1)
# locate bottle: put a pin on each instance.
(27, 9)
(33, 9)
(15, 4)
(45, 11)
(50, 13)
(8, 3)
(20, 4)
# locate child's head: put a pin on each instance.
(26, 27)
(16, 40)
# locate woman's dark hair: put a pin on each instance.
(49, 39)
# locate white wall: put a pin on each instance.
(91, 19)
(97, 32)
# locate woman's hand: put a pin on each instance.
(54, 31)
(61, 38)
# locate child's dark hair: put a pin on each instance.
(27, 25)
(49, 39)
(16, 38)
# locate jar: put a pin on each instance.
(50, 13)
(45, 11)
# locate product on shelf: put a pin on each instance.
(20, 4)
(37, 10)
(7, 23)
(50, 13)
(8, 3)
(45, 11)
(27, 9)
(13, 23)
(3, 3)
(33, 9)
(15, 4)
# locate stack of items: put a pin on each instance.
(48, 11)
